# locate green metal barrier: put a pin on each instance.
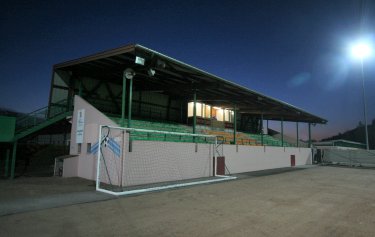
(41, 115)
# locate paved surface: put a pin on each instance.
(320, 201)
(26, 194)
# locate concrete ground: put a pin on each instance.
(318, 201)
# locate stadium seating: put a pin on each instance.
(153, 125)
(224, 137)
(269, 140)
(248, 138)
(227, 137)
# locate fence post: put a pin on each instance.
(14, 154)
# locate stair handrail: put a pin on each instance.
(39, 116)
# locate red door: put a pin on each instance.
(292, 160)
(220, 168)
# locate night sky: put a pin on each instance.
(295, 51)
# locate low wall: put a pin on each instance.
(155, 162)
(239, 159)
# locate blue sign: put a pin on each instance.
(110, 143)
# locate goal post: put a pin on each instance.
(131, 160)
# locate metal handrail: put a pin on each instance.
(40, 115)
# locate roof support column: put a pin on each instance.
(195, 111)
(169, 108)
(297, 134)
(80, 87)
(282, 132)
(140, 103)
(123, 99)
(261, 129)
(130, 103)
(14, 154)
(235, 125)
(6, 168)
(310, 135)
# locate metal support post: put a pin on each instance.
(235, 125)
(282, 132)
(14, 154)
(215, 157)
(310, 135)
(123, 100)
(80, 87)
(195, 112)
(261, 130)
(364, 105)
(6, 168)
(130, 103)
(297, 134)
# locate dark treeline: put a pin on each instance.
(357, 134)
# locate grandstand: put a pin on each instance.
(138, 88)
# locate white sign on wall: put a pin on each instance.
(80, 125)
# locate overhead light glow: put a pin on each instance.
(361, 50)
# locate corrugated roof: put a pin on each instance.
(179, 79)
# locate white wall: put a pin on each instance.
(164, 161)
(155, 161)
(240, 159)
(85, 164)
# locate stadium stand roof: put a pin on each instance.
(179, 79)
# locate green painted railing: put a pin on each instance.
(253, 139)
(41, 115)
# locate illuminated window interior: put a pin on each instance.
(207, 111)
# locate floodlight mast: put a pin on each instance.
(361, 51)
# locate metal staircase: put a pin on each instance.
(41, 118)
(34, 122)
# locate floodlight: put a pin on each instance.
(160, 64)
(129, 73)
(140, 61)
(361, 50)
(151, 72)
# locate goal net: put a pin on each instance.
(133, 161)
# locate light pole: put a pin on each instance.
(361, 51)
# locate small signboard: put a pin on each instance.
(80, 125)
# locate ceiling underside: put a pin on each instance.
(180, 80)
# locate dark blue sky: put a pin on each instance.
(295, 51)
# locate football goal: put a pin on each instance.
(131, 161)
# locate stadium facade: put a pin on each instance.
(136, 87)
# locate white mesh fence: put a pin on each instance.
(137, 160)
(355, 157)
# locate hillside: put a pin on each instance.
(357, 135)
